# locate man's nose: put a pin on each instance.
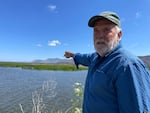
(99, 36)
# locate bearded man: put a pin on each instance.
(117, 81)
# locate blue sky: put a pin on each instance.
(41, 29)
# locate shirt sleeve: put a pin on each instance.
(133, 89)
(83, 59)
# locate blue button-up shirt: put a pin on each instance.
(116, 83)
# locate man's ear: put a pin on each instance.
(120, 35)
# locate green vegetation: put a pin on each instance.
(77, 100)
(42, 66)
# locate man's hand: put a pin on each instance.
(68, 54)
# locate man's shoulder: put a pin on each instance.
(126, 58)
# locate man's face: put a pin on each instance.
(106, 36)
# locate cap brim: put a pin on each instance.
(94, 19)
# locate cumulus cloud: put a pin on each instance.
(52, 8)
(54, 43)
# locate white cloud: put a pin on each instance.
(52, 8)
(54, 43)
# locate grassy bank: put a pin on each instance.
(42, 66)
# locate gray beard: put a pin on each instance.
(107, 49)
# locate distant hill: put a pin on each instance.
(55, 61)
(146, 60)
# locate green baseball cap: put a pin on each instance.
(111, 16)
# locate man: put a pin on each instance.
(117, 81)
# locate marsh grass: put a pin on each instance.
(42, 66)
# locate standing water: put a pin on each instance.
(20, 89)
